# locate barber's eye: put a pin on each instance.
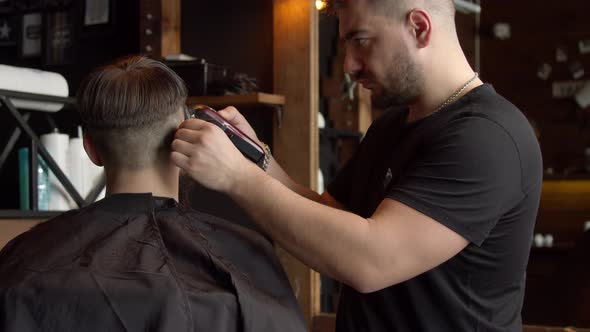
(361, 41)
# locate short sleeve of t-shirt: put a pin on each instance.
(466, 177)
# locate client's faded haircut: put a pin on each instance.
(130, 109)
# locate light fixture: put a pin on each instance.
(321, 4)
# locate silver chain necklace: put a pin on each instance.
(456, 94)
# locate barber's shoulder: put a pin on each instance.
(503, 145)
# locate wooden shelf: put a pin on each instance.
(569, 177)
(258, 98)
(566, 195)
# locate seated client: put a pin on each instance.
(137, 260)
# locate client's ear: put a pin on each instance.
(91, 151)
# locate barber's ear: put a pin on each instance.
(91, 150)
(421, 27)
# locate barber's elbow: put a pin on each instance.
(368, 279)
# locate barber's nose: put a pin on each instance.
(352, 65)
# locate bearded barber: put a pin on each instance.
(429, 225)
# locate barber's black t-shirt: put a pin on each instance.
(476, 168)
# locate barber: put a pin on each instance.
(429, 225)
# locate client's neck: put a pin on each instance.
(161, 181)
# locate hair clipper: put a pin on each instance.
(245, 144)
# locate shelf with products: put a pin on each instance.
(258, 98)
(8, 99)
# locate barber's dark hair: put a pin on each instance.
(128, 108)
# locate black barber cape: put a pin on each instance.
(132, 262)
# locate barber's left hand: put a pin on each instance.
(207, 155)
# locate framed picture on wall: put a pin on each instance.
(96, 12)
(98, 17)
(60, 38)
(31, 35)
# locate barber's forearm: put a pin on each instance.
(328, 240)
(276, 171)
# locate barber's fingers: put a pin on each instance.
(183, 147)
(186, 141)
(180, 160)
(188, 135)
(195, 124)
(192, 130)
(232, 115)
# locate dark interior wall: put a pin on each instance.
(467, 32)
(511, 66)
(235, 33)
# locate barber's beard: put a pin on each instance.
(403, 83)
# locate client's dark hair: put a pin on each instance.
(130, 109)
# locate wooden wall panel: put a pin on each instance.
(296, 143)
(171, 27)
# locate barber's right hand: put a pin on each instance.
(233, 116)
(205, 153)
